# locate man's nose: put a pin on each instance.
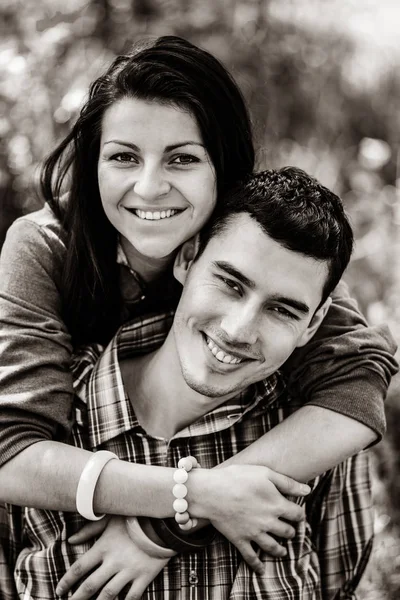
(151, 183)
(241, 325)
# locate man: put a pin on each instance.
(256, 287)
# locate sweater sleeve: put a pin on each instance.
(347, 366)
(35, 347)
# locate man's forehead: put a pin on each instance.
(238, 229)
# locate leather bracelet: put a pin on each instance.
(88, 481)
(167, 530)
(139, 537)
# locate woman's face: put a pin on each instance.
(157, 183)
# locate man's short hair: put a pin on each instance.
(295, 210)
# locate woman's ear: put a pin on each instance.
(184, 258)
(315, 322)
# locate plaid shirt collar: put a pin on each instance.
(105, 394)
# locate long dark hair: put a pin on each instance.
(169, 69)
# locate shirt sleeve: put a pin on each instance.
(35, 347)
(347, 366)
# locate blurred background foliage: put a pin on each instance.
(322, 80)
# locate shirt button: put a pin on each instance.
(193, 579)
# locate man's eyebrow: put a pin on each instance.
(231, 270)
(299, 306)
(167, 148)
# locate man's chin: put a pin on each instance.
(205, 388)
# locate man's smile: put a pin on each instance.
(221, 355)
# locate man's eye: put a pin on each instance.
(124, 157)
(283, 312)
(184, 159)
(230, 283)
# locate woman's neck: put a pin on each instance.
(149, 269)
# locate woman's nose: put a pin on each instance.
(151, 183)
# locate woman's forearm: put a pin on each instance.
(46, 474)
(306, 444)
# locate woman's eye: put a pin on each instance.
(184, 159)
(124, 157)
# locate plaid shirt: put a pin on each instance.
(324, 560)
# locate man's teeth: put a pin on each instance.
(155, 216)
(221, 355)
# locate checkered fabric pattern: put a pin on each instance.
(326, 558)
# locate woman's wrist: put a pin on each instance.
(201, 495)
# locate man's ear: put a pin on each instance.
(315, 322)
(184, 258)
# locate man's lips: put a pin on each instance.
(223, 355)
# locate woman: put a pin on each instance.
(163, 133)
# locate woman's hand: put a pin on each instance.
(113, 562)
(246, 503)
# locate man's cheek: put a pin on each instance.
(278, 348)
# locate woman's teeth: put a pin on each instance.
(221, 355)
(155, 216)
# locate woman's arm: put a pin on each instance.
(347, 366)
(35, 347)
(306, 444)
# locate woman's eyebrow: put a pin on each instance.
(186, 143)
(167, 148)
(121, 143)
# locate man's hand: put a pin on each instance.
(113, 562)
(246, 503)
(90, 530)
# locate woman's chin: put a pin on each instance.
(154, 254)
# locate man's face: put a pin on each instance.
(247, 303)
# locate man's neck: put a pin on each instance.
(163, 403)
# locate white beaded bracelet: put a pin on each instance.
(180, 505)
(139, 537)
(87, 483)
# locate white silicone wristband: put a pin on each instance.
(138, 536)
(87, 483)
